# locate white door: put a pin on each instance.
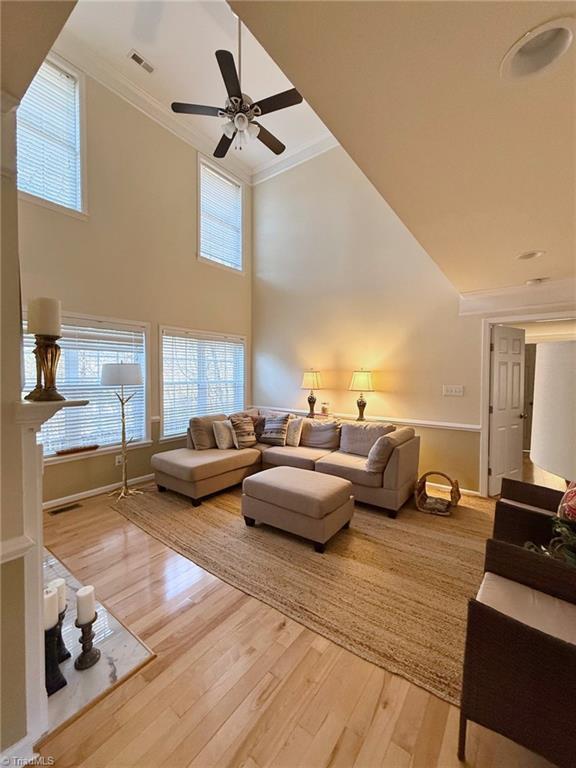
(506, 406)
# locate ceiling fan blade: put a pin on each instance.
(195, 109)
(224, 145)
(229, 73)
(269, 139)
(279, 101)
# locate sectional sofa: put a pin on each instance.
(324, 445)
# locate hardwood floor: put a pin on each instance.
(235, 683)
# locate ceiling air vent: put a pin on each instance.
(141, 61)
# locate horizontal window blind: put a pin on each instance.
(199, 376)
(85, 348)
(220, 218)
(48, 138)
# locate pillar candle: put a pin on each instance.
(50, 608)
(60, 586)
(44, 317)
(85, 604)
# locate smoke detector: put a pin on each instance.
(140, 60)
(538, 49)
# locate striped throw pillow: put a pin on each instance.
(243, 428)
(275, 430)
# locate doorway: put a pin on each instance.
(510, 355)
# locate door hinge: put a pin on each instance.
(491, 347)
(489, 471)
(490, 409)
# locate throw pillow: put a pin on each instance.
(567, 508)
(383, 448)
(259, 422)
(223, 434)
(320, 433)
(243, 428)
(359, 437)
(294, 431)
(201, 432)
(275, 430)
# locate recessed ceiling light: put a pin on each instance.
(530, 255)
(538, 49)
(537, 280)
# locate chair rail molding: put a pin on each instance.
(30, 546)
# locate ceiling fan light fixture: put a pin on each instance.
(253, 130)
(538, 49)
(228, 129)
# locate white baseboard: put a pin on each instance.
(65, 500)
(465, 491)
(21, 753)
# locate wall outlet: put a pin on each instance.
(118, 460)
(452, 390)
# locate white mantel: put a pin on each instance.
(30, 546)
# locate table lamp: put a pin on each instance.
(553, 441)
(122, 375)
(311, 380)
(361, 382)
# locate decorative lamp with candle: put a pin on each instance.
(122, 375)
(311, 380)
(361, 382)
(45, 323)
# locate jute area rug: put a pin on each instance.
(394, 592)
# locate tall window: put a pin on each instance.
(48, 138)
(86, 346)
(199, 375)
(220, 218)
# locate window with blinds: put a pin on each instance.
(220, 218)
(48, 138)
(200, 375)
(86, 346)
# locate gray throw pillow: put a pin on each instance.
(223, 434)
(275, 430)
(294, 431)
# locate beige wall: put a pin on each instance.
(339, 283)
(133, 257)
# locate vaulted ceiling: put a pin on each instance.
(479, 168)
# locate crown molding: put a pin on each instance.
(552, 295)
(76, 53)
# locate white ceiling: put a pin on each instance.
(180, 39)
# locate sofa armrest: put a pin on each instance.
(402, 466)
(517, 525)
(545, 574)
(530, 495)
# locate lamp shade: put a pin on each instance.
(361, 381)
(311, 380)
(553, 442)
(120, 374)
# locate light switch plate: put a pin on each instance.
(453, 390)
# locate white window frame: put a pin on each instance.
(209, 336)
(203, 160)
(127, 325)
(27, 197)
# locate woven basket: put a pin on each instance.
(431, 504)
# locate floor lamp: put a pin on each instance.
(122, 375)
(553, 442)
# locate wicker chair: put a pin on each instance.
(519, 680)
(524, 512)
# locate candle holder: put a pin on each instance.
(47, 354)
(63, 652)
(53, 676)
(89, 655)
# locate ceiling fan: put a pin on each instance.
(240, 111)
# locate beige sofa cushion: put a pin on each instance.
(192, 466)
(201, 432)
(320, 433)
(358, 437)
(350, 467)
(379, 454)
(308, 493)
(293, 456)
(535, 609)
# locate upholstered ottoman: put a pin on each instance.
(309, 504)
